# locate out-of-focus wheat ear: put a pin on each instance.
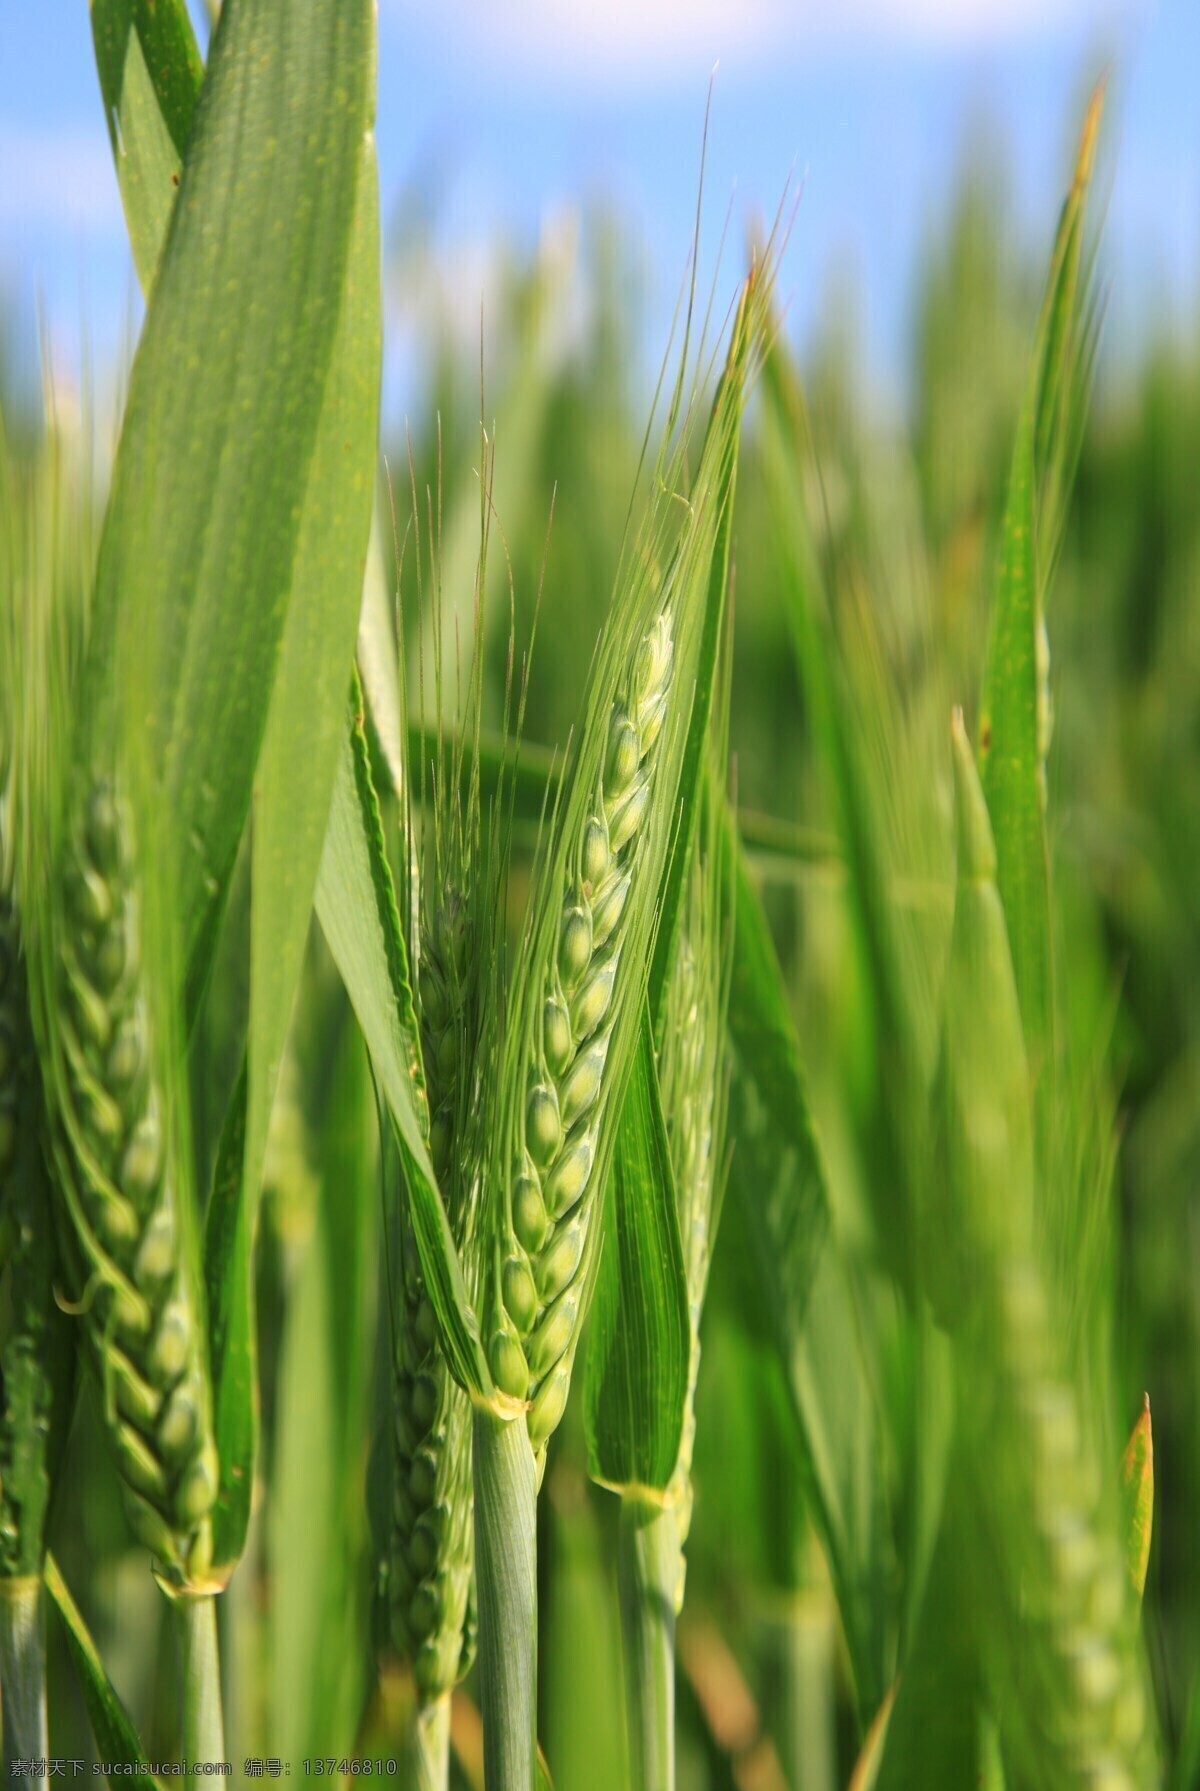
(1059, 1640)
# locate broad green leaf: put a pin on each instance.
(306, 721)
(1137, 1487)
(116, 1738)
(216, 454)
(1014, 709)
(150, 77)
(637, 1367)
(304, 727)
(356, 905)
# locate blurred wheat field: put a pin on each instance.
(803, 804)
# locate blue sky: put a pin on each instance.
(524, 109)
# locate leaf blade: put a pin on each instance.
(200, 539)
(356, 906)
(1014, 705)
(304, 726)
(150, 75)
(635, 1382)
(116, 1737)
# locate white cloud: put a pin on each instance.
(952, 22)
(61, 182)
(631, 42)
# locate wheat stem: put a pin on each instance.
(429, 1756)
(506, 1574)
(648, 1574)
(23, 1670)
(203, 1724)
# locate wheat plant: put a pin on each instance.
(903, 1016)
(570, 1034)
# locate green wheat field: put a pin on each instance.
(599, 1008)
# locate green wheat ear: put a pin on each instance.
(103, 1011)
(551, 1206)
(570, 1031)
(125, 1198)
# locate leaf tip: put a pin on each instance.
(1090, 134)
